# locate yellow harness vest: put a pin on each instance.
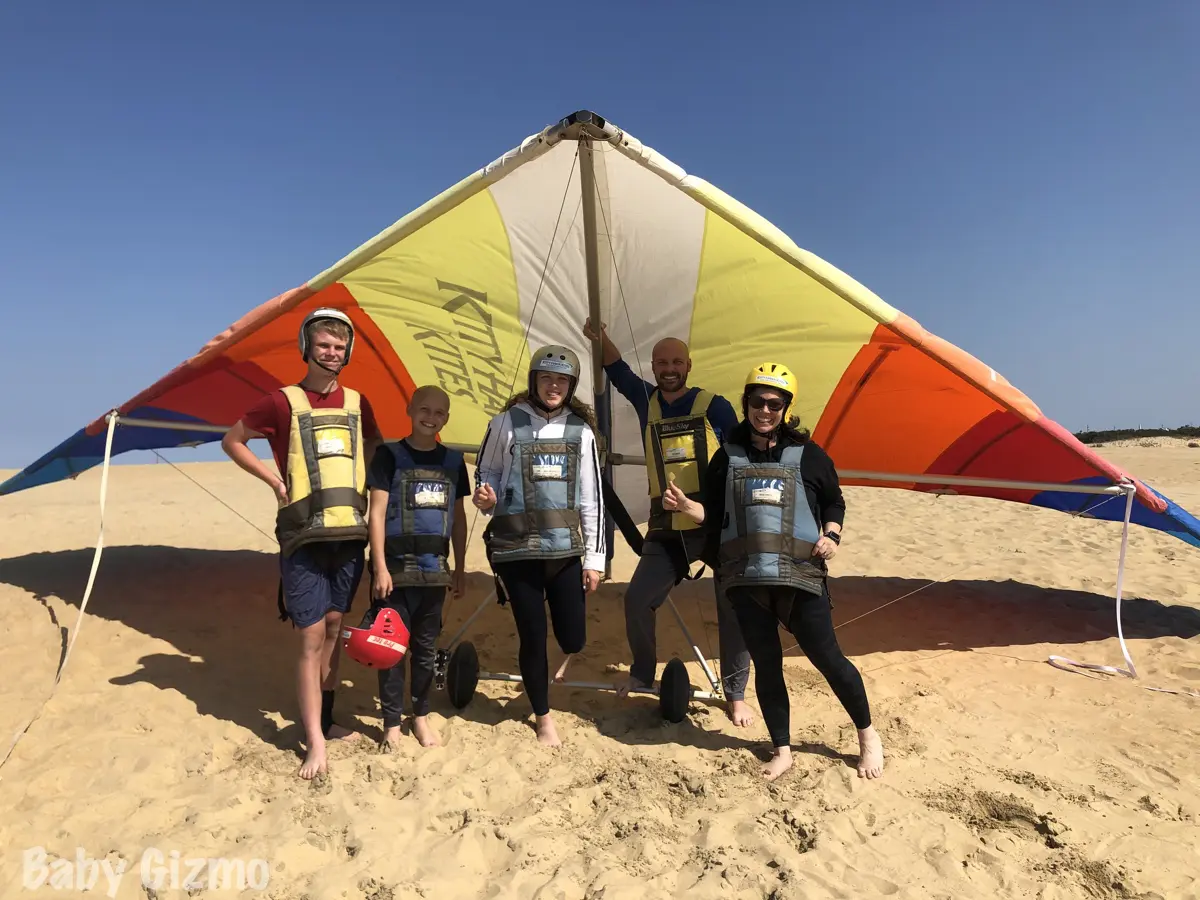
(681, 446)
(326, 475)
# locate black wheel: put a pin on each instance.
(462, 674)
(675, 691)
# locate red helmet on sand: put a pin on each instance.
(382, 645)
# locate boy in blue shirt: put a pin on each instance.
(418, 491)
(682, 427)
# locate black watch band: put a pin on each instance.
(834, 536)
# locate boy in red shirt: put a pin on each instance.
(320, 434)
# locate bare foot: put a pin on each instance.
(561, 675)
(740, 713)
(424, 732)
(338, 733)
(314, 762)
(546, 733)
(391, 739)
(632, 684)
(870, 750)
(781, 761)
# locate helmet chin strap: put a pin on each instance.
(332, 370)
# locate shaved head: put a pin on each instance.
(429, 393)
(670, 348)
(429, 411)
(671, 364)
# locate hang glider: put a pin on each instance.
(583, 219)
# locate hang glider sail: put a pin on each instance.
(583, 219)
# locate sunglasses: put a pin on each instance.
(774, 404)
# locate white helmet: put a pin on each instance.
(557, 359)
(325, 312)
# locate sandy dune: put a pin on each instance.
(175, 726)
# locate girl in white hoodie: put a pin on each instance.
(538, 477)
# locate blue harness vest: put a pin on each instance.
(769, 532)
(420, 517)
(537, 517)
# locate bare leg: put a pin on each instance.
(561, 675)
(870, 749)
(308, 689)
(331, 651)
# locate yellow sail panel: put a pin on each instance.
(445, 297)
(754, 225)
(752, 305)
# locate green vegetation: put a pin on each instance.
(1125, 434)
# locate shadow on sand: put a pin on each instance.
(235, 660)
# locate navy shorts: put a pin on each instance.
(320, 578)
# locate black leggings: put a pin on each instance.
(810, 621)
(531, 584)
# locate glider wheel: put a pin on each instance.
(462, 674)
(675, 691)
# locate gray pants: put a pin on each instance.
(648, 589)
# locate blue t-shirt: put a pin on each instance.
(637, 391)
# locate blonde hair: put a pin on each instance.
(338, 329)
(576, 406)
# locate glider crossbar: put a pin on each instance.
(628, 459)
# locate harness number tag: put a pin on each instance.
(766, 490)
(549, 466)
(676, 454)
(331, 446)
(430, 495)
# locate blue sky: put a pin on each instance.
(1020, 177)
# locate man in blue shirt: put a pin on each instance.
(682, 427)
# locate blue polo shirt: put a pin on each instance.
(637, 391)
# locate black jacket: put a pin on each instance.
(817, 471)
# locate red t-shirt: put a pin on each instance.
(272, 418)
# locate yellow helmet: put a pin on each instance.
(772, 375)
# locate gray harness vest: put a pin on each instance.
(537, 517)
(769, 532)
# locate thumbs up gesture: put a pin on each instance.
(675, 500)
(484, 497)
(673, 497)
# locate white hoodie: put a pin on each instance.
(495, 457)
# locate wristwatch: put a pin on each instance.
(833, 536)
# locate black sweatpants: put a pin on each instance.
(531, 585)
(760, 611)
(420, 609)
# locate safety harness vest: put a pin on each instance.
(681, 446)
(326, 476)
(768, 534)
(420, 518)
(537, 516)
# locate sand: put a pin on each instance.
(175, 727)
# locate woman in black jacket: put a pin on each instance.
(773, 517)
